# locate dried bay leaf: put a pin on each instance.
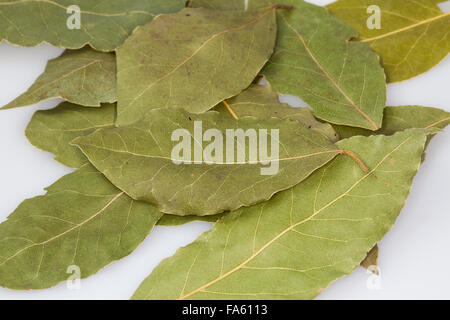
(413, 37)
(104, 25)
(231, 4)
(84, 77)
(401, 118)
(342, 81)
(175, 61)
(296, 244)
(262, 102)
(397, 119)
(172, 220)
(52, 130)
(138, 159)
(82, 221)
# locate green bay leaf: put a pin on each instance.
(84, 77)
(175, 61)
(341, 80)
(401, 118)
(53, 130)
(296, 244)
(104, 24)
(82, 221)
(414, 35)
(170, 220)
(138, 159)
(262, 102)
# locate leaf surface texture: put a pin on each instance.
(53, 130)
(176, 61)
(414, 35)
(84, 77)
(341, 80)
(138, 159)
(83, 221)
(104, 24)
(401, 118)
(296, 244)
(262, 102)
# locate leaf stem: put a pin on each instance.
(357, 160)
(229, 109)
(281, 6)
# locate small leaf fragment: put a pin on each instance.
(175, 62)
(370, 262)
(413, 36)
(139, 159)
(296, 244)
(52, 130)
(82, 221)
(84, 77)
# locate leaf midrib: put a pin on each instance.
(271, 9)
(412, 26)
(333, 81)
(67, 231)
(207, 162)
(35, 92)
(83, 12)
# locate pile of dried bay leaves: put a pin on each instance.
(147, 79)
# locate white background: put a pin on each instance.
(414, 256)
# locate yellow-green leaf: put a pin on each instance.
(192, 60)
(413, 37)
(296, 244)
(83, 223)
(104, 25)
(84, 77)
(210, 177)
(52, 130)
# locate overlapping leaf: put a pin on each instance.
(172, 220)
(342, 81)
(231, 4)
(296, 244)
(262, 103)
(401, 118)
(83, 221)
(138, 159)
(104, 25)
(413, 37)
(52, 130)
(84, 77)
(176, 61)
